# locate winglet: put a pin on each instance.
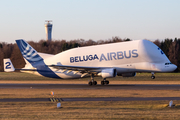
(28, 52)
(8, 66)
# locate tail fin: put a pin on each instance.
(8, 66)
(28, 52)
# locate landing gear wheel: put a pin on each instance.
(94, 83)
(90, 83)
(102, 82)
(153, 77)
(106, 82)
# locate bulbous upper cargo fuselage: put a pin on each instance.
(138, 55)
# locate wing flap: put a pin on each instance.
(76, 68)
(84, 70)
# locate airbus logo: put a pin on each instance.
(106, 57)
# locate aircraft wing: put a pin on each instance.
(81, 69)
(76, 68)
(73, 68)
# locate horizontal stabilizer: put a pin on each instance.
(8, 66)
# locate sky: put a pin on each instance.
(89, 19)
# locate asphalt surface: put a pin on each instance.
(89, 99)
(85, 86)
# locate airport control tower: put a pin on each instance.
(48, 29)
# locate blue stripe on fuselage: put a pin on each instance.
(44, 70)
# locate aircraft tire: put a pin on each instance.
(90, 83)
(107, 82)
(153, 77)
(102, 82)
(94, 83)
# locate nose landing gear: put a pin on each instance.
(153, 77)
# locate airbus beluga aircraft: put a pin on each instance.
(108, 60)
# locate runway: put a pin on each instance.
(85, 86)
(89, 99)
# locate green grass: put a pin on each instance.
(123, 110)
(21, 76)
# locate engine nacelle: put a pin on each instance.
(129, 74)
(108, 73)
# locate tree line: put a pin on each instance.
(169, 46)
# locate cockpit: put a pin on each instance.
(168, 63)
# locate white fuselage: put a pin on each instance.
(125, 57)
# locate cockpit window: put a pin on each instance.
(167, 63)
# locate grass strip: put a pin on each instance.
(90, 110)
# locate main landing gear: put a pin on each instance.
(153, 77)
(104, 82)
(92, 82)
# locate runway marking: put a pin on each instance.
(56, 99)
(89, 99)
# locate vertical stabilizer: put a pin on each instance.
(28, 52)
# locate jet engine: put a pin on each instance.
(108, 73)
(129, 74)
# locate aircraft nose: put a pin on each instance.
(169, 68)
(173, 67)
